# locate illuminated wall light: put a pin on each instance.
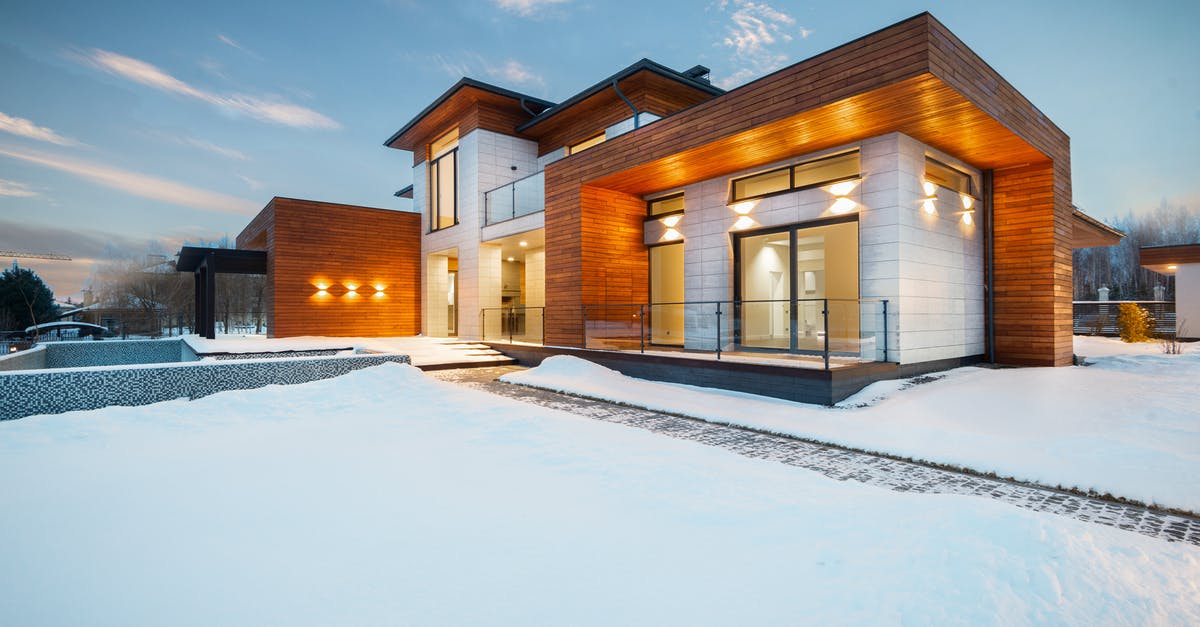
(671, 235)
(322, 286)
(743, 222)
(843, 188)
(351, 286)
(671, 221)
(322, 293)
(967, 202)
(379, 287)
(930, 189)
(744, 207)
(843, 205)
(1172, 267)
(967, 219)
(929, 207)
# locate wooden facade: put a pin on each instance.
(914, 77)
(317, 252)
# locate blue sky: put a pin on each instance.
(135, 126)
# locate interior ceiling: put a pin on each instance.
(510, 246)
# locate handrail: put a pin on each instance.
(508, 321)
(525, 196)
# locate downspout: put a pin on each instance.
(636, 114)
(526, 108)
(989, 263)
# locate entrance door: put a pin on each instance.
(784, 277)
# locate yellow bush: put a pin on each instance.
(1134, 323)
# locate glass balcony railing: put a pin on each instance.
(519, 198)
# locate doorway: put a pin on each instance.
(784, 279)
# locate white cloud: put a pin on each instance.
(26, 128)
(228, 41)
(228, 153)
(251, 183)
(515, 72)
(527, 8)
(274, 111)
(756, 29)
(135, 183)
(15, 189)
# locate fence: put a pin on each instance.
(513, 324)
(1099, 317)
(846, 330)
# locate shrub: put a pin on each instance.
(1134, 323)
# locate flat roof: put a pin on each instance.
(223, 260)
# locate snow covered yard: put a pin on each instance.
(424, 351)
(385, 497)
(1128, 425)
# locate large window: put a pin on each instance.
(666, 294)
(443, 182)
(795, 177)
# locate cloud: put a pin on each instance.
(15, 189)
(514, 72)
(228, 41)
(26, 128)
(755, 29)
(135, 183)
(527, 8)
(228, 153)
(273, 111)
(251, 183)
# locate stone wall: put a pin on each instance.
(53, 391)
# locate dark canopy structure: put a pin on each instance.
(206, 264)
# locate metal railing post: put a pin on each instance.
(718, 330)
(642, 326)
(825, 316)
(585, 328)
(885, 329)
(543, 325)
(512, 319)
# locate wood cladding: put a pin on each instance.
(915, 78)
(468, 109)
(648, 91)
(312, 243)
(1159, 258)
(598, 254)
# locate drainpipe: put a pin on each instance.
(525, 106)
(989, 263)
(636, 114)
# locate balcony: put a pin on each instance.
(520, 198)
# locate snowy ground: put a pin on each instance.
(1128, 425)
(424, 351)
(385, 497)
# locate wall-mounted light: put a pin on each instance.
(744, 207)
(930, 189)
(843, 205)
(743, 222)
(379, 287)
(671, 221)
(843, 188)
(967, 219)
(928, 206)
(671, 235)
(967, 201)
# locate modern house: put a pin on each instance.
(893, 200)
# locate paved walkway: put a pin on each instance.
(841, 464)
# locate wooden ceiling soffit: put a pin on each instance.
(448, 113)
(1087, 232)
(1161, 258)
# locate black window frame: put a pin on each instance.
(650, 215)
(791, 169)
(967, 175)
(435, 209)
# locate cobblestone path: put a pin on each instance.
(841, 464)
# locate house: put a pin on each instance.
(1183, 263)
(893, 200)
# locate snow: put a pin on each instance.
(385, 497)
(424, 351)
(1129, 425)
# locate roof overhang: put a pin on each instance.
(1167, 259)
(651, 73)
(222, 260)
(1087, 232)
(453, 103)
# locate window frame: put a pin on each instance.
(970, 191)
(435, 209)
(791, 169)
(590, 142)
(650, 215)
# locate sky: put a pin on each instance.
(129, 128)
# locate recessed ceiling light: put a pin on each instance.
(511, 259)
(524, 243)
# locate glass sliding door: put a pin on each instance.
(666, 294)
(784, 278)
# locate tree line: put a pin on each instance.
(1118, 267)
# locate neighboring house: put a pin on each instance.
(777, 216)
(1182, 262)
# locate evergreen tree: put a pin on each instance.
(25, 300)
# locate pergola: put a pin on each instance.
(206, 264)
